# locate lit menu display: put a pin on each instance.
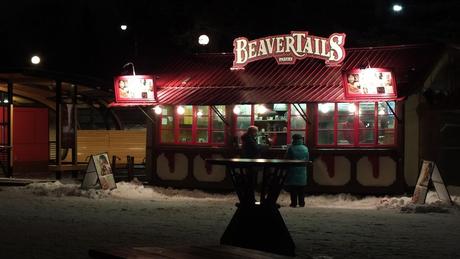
(369, 83)
(139, 88)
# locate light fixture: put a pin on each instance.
(158, 110)
(236, 110)
(123, 27)
(180, 110)
(199, 113)
(203, 40)
(5, 101)
(381, 112)
(261, 109)
(397, 8)
(323, 107)
(35, 60)
(351, 107)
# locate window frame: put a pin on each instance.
(194, 129)
(356, 130)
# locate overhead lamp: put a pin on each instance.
(236, 110)
(203, 40)
(35, 60)
(158, 110)
(180, 110)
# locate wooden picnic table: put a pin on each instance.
(258, 224)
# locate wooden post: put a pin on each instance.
(74, 130)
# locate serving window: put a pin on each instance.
(356, 124)
(276, 122)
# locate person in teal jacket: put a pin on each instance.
(296, 179)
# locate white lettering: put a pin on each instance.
(241, 51)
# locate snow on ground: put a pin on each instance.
(59, 220)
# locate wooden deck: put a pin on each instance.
(184, 252)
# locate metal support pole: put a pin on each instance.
(58, 124)
(74, 125)
(10, 130)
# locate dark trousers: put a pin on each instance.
(297, 195)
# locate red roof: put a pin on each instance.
(207, 79)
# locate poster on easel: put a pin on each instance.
(429, 172)
(99, 173)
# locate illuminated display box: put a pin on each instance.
(139, 88)
(369, 83)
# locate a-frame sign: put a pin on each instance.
(430, 173)
(99, 173)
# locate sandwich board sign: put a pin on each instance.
(99, 173)
(430, 173)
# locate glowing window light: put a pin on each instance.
(158, 110)
(236, 110)
(5, 101)
(180, 110)
(382, 112)
(199, 113)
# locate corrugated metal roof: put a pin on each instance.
(207, 78)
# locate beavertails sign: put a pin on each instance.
(288, 48)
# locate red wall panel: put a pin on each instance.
(30, 134)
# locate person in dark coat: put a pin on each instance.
(296, 179)
(250, 148)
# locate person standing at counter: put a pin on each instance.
(296, 179)
(250, 147)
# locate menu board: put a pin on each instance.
(369, 83)
(139, 88)
(99, 173)
(430, 173)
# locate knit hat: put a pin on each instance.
(297, 136)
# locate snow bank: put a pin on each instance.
(125, 190)
(432, 204)
(137, 191)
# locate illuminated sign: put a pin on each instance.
(139, 88)
(288, 48)
(369, 83)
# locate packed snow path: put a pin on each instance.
(58, 220)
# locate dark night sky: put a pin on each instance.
(84, 37)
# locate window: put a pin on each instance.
(218, 126)
(188, 124)
(298, 125)
(356, 124)
(167, 125)
(243, 114)
(326, 134)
